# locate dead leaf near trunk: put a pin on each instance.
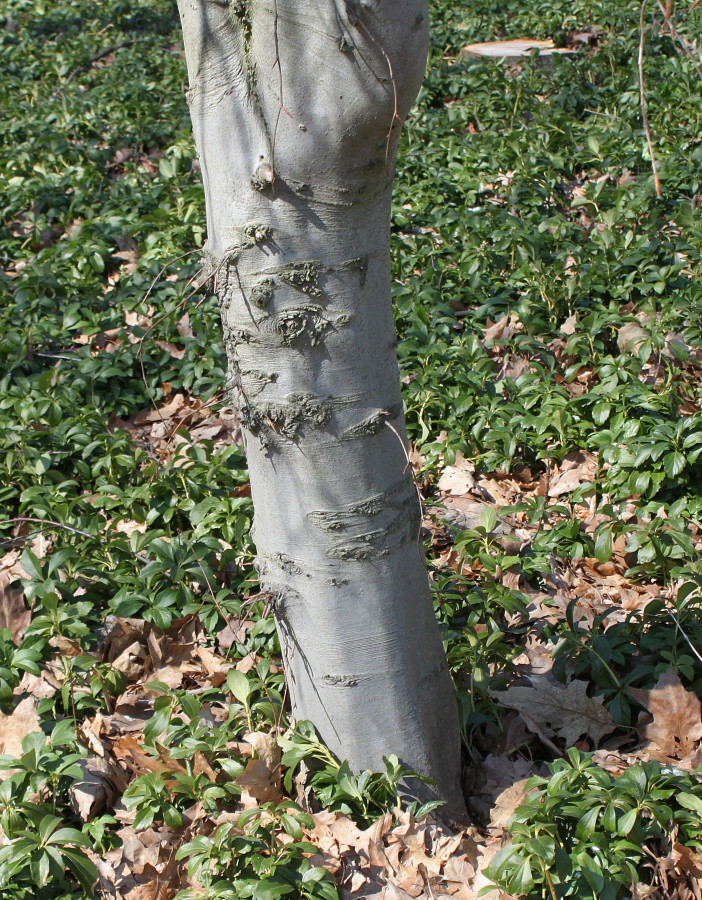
(234, 632)
(393, 892)
(455, 480)
(562, 710)
(674, 723)
(498, 788)
(260, 781)
(167, 411)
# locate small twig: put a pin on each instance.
(281, 104)
(422, 869)
(55, 356)
(420, 498)
(549, 882)
(70, 528)
(93, 59)
(544, 510)
(216, 603)
(396, 117)
(51, 523)
(644, 103)
(688, 48)
(672, 615)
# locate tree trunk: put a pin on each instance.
(296, 107)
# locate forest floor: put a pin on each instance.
(549, 309)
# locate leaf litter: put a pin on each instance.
(540, 715)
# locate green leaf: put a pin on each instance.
(690, 801)
(191, 706)
(240, 686)
(347, 781)
(603, 543)
(144, 818)
(171, 817)
(83, 868)
(521, 879)
(627, 821)
(587, 824)
(291, 826)
(673, 464)
(31, 565)
(488, 519)
(272, 890)
(233, 767)
(70, 836)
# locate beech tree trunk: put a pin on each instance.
(296, 107)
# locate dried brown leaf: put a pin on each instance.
(126, 748)
(173, 350)
(506, 803)
(166, 411)
(455, 480)
(234, 632)
(22, 721)
(246, 663)
(66, 646)
(36, 685)
(578, 467)
(93, 792)
(260, 781)
(496, 331)
(14, 613)
(131, 661)
(676, 714)
(183, 326)
(630, 338)
(559, 709)
(171, 676)
(494, 778)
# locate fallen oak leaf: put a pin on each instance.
(559, 709)
(166, 411)
(393, 892)
(676, 713)
(126, 748)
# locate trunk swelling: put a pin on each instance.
(296, 106)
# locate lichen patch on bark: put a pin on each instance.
(395, 514)
(284, 417)
(372, 424)
(294, 325)
(302, 275)
(340, 680)
(262, 293)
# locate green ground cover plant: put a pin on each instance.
(548, 305)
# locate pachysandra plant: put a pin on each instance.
(296, 109)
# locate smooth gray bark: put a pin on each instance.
(296, 107)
